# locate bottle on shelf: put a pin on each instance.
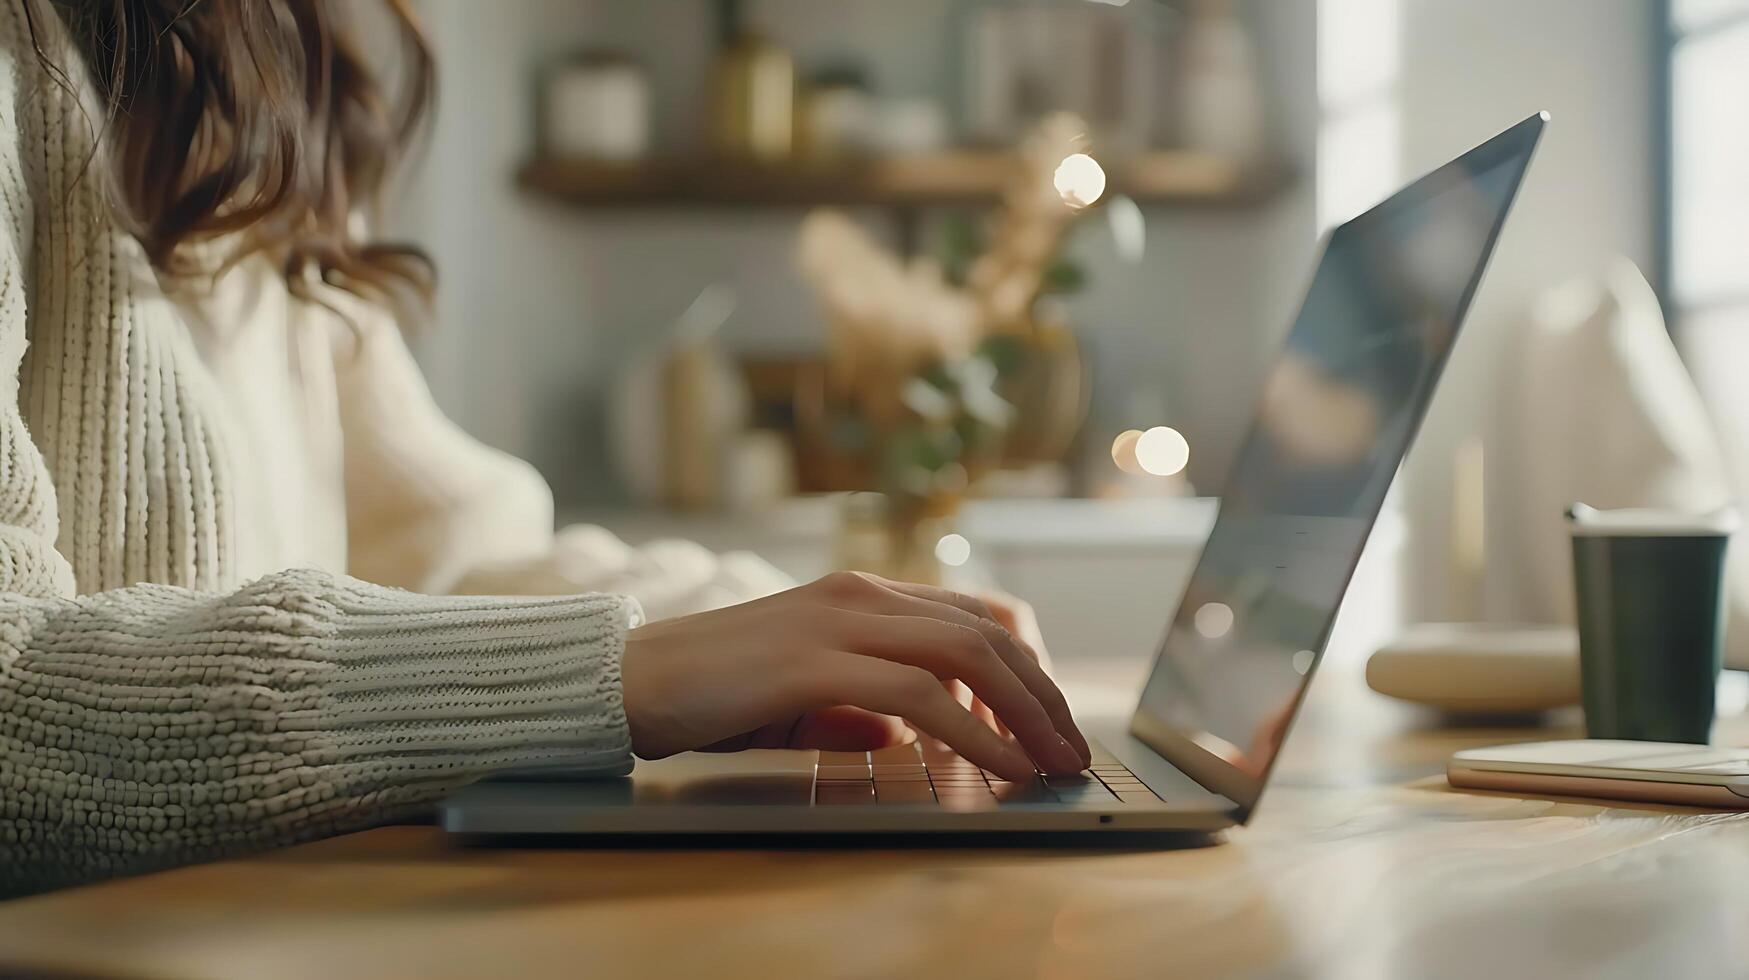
(754, 93)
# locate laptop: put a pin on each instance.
(1338, 411)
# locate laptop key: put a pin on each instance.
(896, 755)
(833, 794)
(903, 793)
(932, 750)
(843, 758)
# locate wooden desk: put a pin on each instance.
(1358, 865)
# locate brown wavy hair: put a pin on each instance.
(262, 125)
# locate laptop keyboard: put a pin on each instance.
(928, 773)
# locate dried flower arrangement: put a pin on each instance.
(918, 351)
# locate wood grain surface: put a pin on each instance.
(1361, 863)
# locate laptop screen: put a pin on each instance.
(1336, 414)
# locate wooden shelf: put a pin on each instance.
(965, 178)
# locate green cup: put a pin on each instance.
(1650, 590)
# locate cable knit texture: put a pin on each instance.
(158, 453)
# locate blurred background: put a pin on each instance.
(1017, 269)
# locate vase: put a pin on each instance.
(895, 544)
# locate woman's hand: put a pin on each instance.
(834, 665)
(1015, 615)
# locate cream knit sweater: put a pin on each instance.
(186, 671)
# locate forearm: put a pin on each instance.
(153, 726)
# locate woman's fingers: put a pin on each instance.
(971, 702)
(912, 693)
(966, 610)
(846, 729)
(1017, 617)
(952, 650)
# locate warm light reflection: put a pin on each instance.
(953, 550)
(1162, 451)
(1214, 619)
(1314, 417)
(1123, 452)
(1080, 180)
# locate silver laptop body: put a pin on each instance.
(1338, 411)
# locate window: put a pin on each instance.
(1708, 275)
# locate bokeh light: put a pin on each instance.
(1123, 452)
(953, 550)
(1162, 451)
(1080, 180)
(1214, 619)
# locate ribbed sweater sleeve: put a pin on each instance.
(153, 726)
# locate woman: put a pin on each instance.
(219, 468)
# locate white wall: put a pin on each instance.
(1469, 70)
(538, 305)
